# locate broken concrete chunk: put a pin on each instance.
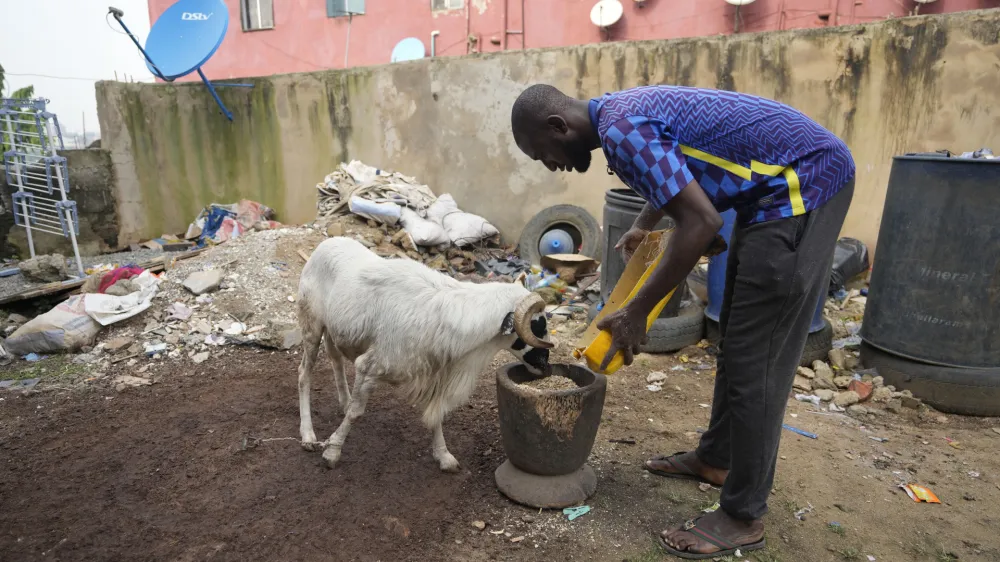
(895, 405)
(806, 372)
(881, 394)
(845, 399)
(201, 282)
(878, 382)
(200, 358)
(822, 370)
(842, 382)
(838, 358)
(824, 394)
(911, 402)
(802, 383)
(45, 269)
(280, 335)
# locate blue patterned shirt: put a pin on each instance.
(758, 156)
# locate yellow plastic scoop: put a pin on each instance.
(638, 270)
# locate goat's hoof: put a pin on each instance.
(331, 456)
(309, 440)
(450, 464)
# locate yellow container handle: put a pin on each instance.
(598, 349)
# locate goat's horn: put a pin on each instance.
(526, 308)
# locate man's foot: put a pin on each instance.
(713, 535)
(686, 466)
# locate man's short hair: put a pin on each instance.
(535, 104)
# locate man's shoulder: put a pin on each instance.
(649, 102)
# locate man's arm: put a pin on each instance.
(697, 224)
(646, 151)
(648, 217)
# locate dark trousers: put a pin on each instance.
(775, 275)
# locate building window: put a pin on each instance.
(441, 5)
(344, 8)
(257, 14)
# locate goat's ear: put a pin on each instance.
(507, 326)
(521, 278)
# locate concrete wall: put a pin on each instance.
(913, 84)
(92, 186)
(304, 39)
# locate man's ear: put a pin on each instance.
(557, 124)
(507, 326)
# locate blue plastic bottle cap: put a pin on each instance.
(555, 241)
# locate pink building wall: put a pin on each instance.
(304, 39)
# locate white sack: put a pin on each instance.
(463, 228)
(108, 309)
(424, 232)
(64, 328)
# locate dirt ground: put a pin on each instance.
(168, 472)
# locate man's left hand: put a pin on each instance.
(628, 332)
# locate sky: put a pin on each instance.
(71, 44)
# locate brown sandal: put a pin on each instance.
(676, 464)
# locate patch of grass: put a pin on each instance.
(849, 553)
(53, 368)
(652, 554)
(765, 556)
(837, 528)
(944, 556)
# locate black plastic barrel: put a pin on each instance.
(935, 286)
(621, 207)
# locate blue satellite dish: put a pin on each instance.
(410, 48)
(183, 40)
(186, 36)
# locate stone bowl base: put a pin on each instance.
(551, 492)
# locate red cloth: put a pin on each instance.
(116, 275)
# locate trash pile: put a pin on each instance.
(220, 223)
(391, 199)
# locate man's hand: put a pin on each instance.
(628, 332)
(629, 241)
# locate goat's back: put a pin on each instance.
(400, 305)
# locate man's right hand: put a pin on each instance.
(630, 241)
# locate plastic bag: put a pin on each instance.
(463, 228)
(108, 309)
(67, 327)
(424, 232)
(850, 258)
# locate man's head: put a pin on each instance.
(553, 128)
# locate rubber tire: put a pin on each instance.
(590, 231)
(818, 344)
(671, 334)
(954, 390)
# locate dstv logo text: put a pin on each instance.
(195, 16)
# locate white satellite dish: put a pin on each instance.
(606, 13)
(739, 2)
(924, 1)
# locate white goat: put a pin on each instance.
(405, 324)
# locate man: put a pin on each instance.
(691, 153)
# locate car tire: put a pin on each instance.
(592, 244)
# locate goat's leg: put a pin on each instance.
(439, 450)
(339, 374)
(311, 335)
(365, 378)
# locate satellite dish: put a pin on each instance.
(186, 36)
(410, 48)
(606, 13)
(183, 40)
(739, 2)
